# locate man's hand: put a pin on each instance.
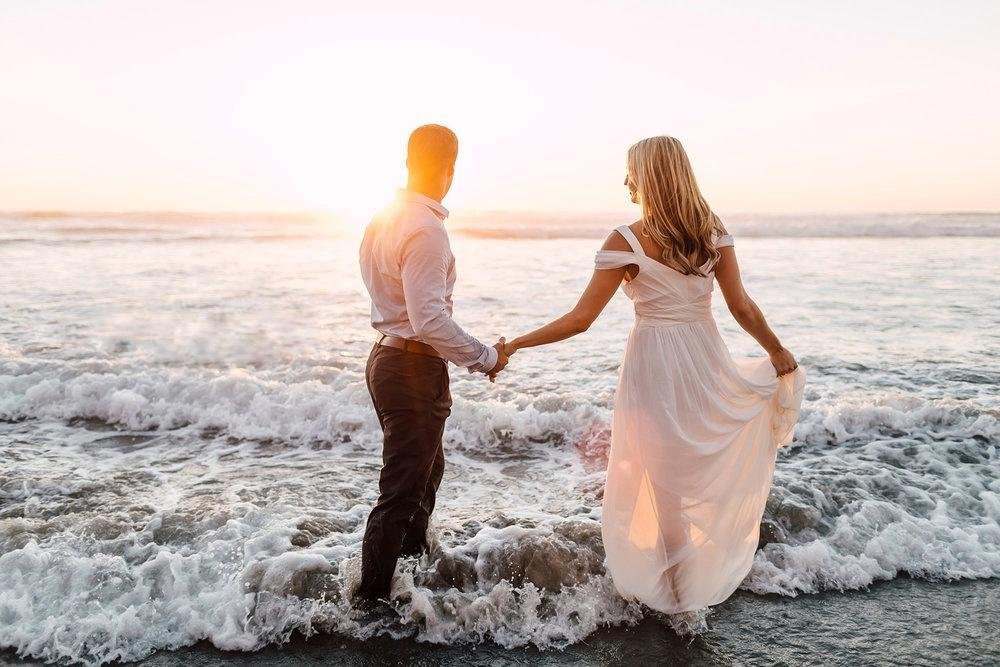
(502, 359)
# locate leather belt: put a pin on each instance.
(408, 345)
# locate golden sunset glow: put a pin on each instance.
(307, 105)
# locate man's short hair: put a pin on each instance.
(431, 150)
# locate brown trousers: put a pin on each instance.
(412, 399)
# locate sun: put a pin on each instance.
(335, 127)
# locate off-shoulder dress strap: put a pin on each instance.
(615, 259)
(633, 241)
(724, 241)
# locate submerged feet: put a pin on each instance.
(689, 623)
(364, 608)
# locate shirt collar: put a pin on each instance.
(440, 211)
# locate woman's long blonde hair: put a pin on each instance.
(674, 214)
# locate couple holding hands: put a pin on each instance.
(694, 431)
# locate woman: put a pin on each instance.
(695, 432)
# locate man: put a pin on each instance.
(409, 270)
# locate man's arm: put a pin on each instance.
(424, 270)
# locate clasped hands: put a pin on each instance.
(504, 352)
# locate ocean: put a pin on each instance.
(188, 452)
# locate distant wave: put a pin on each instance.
(156, 238)
(56, 226)
(170, 216)
(879, 225)
(62, 228)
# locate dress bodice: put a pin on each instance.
(660, 293)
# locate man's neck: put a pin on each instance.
(426, 190)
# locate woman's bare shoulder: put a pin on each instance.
(616, 241)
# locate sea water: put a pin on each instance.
(188, 451)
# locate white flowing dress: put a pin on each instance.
(694, 437)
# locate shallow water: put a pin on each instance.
(187, 449)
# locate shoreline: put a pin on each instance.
(904, 621)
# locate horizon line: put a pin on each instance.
(306, 213)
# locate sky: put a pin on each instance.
(783, 107)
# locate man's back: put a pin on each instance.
(383, 251)
(409, 270)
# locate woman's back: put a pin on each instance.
(661, 293)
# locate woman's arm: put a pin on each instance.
(747, 314)
(595, 297)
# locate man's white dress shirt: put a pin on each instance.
(409, 270)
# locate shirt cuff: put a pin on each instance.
(487, 360)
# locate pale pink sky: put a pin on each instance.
(783, 106)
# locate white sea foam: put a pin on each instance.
(246, 406)
(868, 490)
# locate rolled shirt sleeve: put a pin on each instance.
(426, 257)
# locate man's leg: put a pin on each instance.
(415, 539)
(407, 390)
